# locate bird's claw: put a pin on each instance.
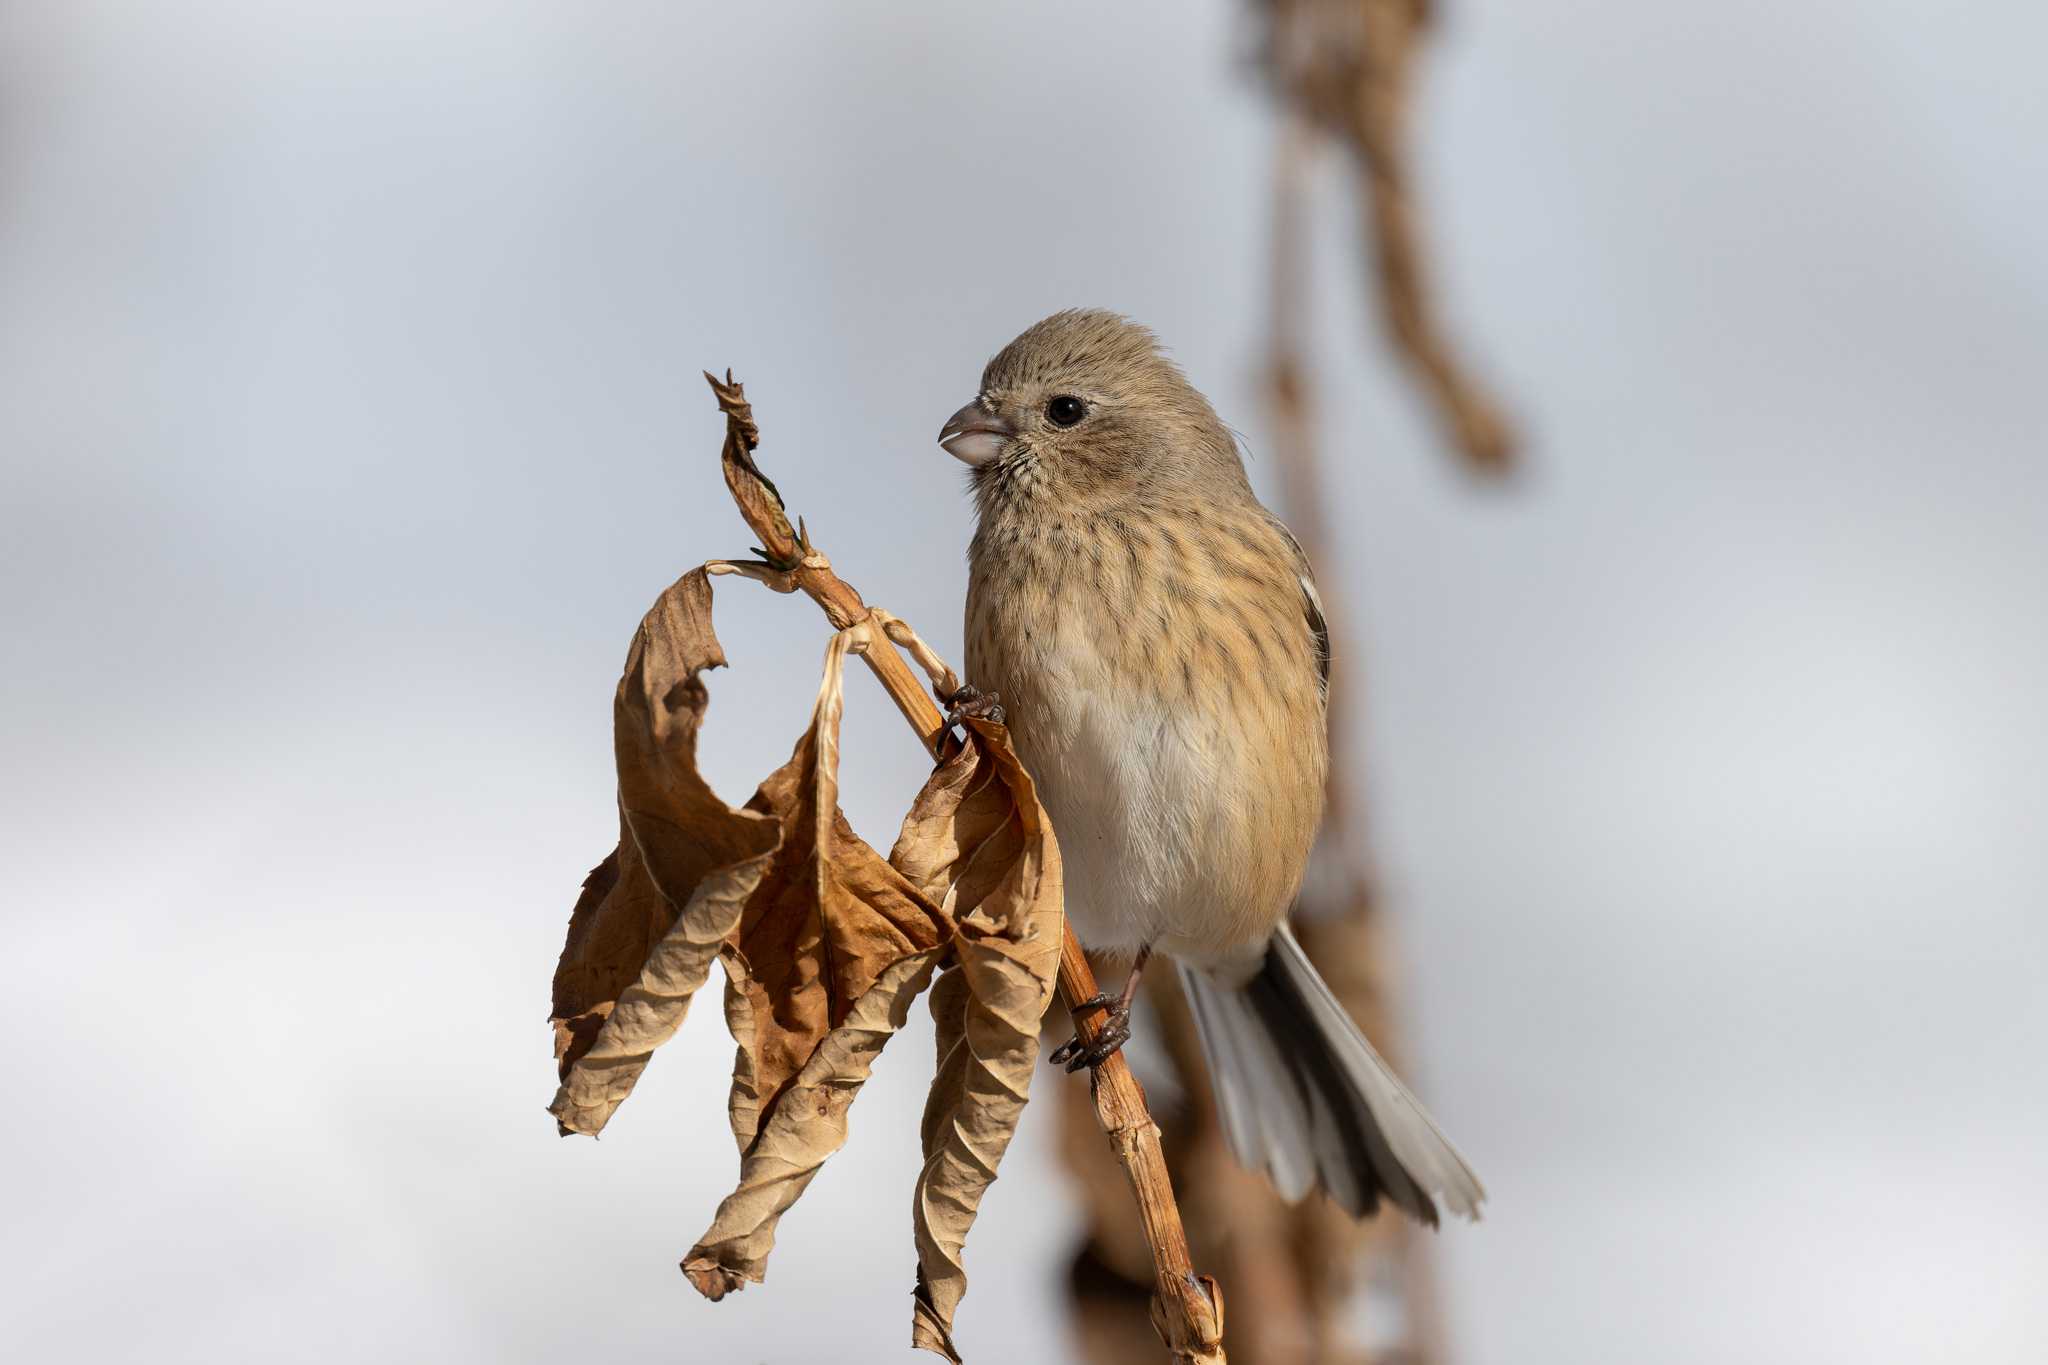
(1078, 1052)
(969, 703)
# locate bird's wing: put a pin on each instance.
(1312, 607)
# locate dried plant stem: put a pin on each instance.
(1379, 134)
(1346, 937)
(1187, 1308)
(1347, 68)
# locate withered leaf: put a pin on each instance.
(825, 944)
(978, 843)
(654, 913)
(833, 947)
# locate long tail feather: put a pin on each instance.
(1304, 1097)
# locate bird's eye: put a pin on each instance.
(1065, 410)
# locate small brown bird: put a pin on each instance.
(1158, 648)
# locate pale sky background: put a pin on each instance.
(349, 419)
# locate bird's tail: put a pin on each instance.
(1305, 1099)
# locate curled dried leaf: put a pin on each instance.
(760, 502)
(806, 1126)
(654, 913)
(825, 943)
(831, 950)
(978, 842)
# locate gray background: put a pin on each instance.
(350, 418)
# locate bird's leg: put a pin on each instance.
(1116, 1029)
(969, 702)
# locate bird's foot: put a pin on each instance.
(969, 703)
(1079, 1052)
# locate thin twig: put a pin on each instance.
(1187, 1308)
(1346, 66)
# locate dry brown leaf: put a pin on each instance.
(825, 943)
(978, 842)
(807, 1126)
(828, 918)
(833, 947)
(653, 914)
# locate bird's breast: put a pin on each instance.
(1183, 805)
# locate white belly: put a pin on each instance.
(1140, 794)
(1125, 784)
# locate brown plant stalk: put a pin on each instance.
(1339, 918)
(1187, 1309)
(1346, 67)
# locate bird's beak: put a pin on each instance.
(973, 436)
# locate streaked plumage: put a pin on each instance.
(1159, 648)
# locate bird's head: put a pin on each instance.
(1085, 404)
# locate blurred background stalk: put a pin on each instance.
(1304, 1284)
